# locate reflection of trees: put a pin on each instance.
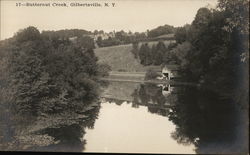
(201, 117)
(62, 131)
(113, 100)
(150, 95)
(69, 136)
(147, 94)
(157, 110)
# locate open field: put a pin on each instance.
(121, 59)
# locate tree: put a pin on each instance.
(218, 58)
(237, 13)
(181, 33)
(120, 35)
(85, 42)
(178, 55)
(161, 30)
(30, 81)
(153, 53)
(41, 76)
(135, 49)
(159, 52)
(29, 34)
(99, 41)
(96, 32)
(202, 17)
(145, 55)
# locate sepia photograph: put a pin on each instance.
(124, 76)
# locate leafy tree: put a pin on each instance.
(85, 42)
(202, 18)
(96, 32)
(44, 76)
(181, 33)
(161, 30)
(153, 53)
(99, 41)
(218, 58)
(110, 42)
(64, 34)
(135, 49)
(159, 52)
(30, 81)
(145, 55)
(178, 55)
(120, 35)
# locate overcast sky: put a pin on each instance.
(136, 15)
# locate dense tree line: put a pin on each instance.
(215, 53)
(122, 37)
(181, 33)
(67, 33)
(40, 76)
(43, 72)
(154, 55)
(212, 51)
(107, 42)
(82, 40)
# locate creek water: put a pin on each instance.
(145, 118)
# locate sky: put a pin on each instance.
(127, 15)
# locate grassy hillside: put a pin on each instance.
(120, 57)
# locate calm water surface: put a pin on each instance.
(147, 118)
(121, 128)
(143, 118)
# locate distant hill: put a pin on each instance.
(121, 59)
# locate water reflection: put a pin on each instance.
(142, 118)
(201, 117)
(122, 128)
(60, 132)
(205, 119)
(67, 138)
